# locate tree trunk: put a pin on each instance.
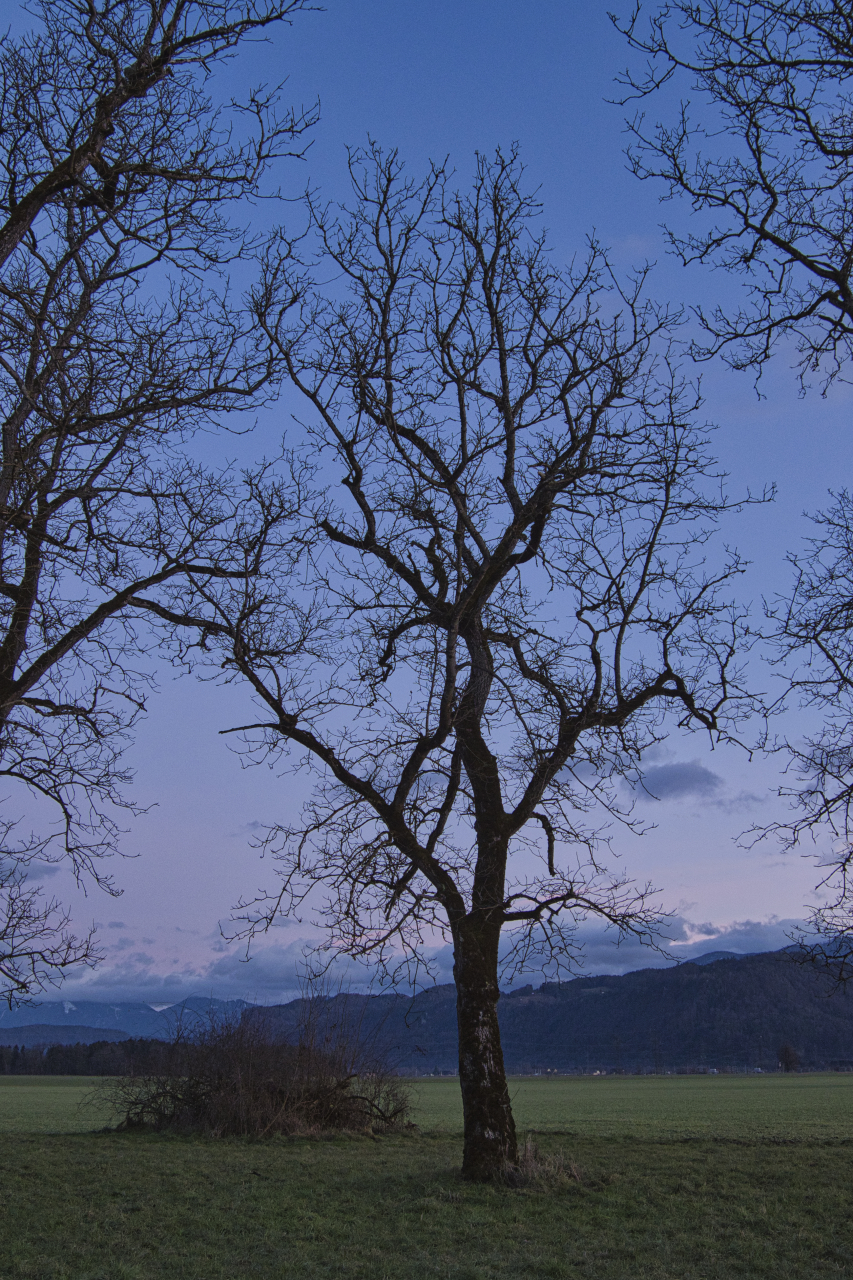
(490, 1141)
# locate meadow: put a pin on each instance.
(682, 1178)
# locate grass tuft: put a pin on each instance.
(544, 1171)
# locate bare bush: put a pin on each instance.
(238, 1078)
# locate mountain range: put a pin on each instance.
(718, 1011)
(88, 1020)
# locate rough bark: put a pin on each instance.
(490, 1140)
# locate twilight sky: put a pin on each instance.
(448, 78)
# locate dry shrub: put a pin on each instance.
(236, 1077)
(544, 1172)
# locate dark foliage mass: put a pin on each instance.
(240, 1078)
(104, 1057)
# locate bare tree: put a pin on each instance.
(789, 1059)
(35, 938)
(815, 638)
(105, 95)
(118, 339)
(494, 590)
(764, 146)
(776, 78)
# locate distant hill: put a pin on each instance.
(41, 1033)
(727, 1013)
(733, 1013)
(711, 956)
(718, 1011)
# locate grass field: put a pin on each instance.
(677, 1107)
(49, 1104)
(688, 1178)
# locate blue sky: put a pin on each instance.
(436, 80)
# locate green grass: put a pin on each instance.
(48, 1104)
(765, 1198)
(772, 1106)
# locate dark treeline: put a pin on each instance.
(103, 1058)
